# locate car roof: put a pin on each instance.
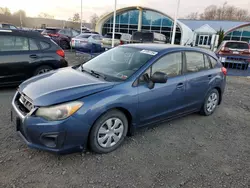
(167, 47)
(25, 33)
(235, 41)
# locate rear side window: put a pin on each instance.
(195, 61)
(44, 45)
(33, 44)
(237, 45)
(13, 43)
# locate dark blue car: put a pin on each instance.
(98, 103)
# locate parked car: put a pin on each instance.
(61, 36)
(148, 37)
(98, 103)
(234, 54)
(39, 30)
(7, 26)
(120, 38)
(24, 54)
(93, 32)
(87, 43)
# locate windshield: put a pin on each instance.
(119, 63)
(237, 45)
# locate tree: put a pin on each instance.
(5, 11)
(193, 16)
(45, 15)
(221, 34)
(21, 15)
(223, 12)
(93, 20)
(76, 17)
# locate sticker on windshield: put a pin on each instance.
(149, 52)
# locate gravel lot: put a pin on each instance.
(193, 151)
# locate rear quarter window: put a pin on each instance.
(213, 62)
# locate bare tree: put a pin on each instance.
(45, 15)
(21, 15)
(193, 16)
(76, 17)
(5, 11)
(224, 12)
(93, 20)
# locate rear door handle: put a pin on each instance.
(34, 56)
(180, 85)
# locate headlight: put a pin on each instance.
(59, 112)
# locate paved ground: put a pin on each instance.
(193, 151)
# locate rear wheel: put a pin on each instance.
(42, 69)
(108, 132)
(210, 103)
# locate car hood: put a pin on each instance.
(61, 86)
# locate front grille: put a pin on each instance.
(24, 103)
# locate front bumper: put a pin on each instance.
(61, 137)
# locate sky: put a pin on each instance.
(64, 9)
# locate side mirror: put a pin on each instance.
(159, 77)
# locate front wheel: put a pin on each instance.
(108, 132)
(210, 103)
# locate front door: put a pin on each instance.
(165, 99)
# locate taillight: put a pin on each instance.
(53, 35)
(246, 51)
(121, 43)
(60, 53)
(224, 70)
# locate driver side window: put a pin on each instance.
(170, 64)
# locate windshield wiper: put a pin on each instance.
(98, 74)
(93, 73)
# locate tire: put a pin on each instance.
(108, 132)
(42, 69)
(64, 45)
(212, 99)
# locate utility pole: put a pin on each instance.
(113, 34)
(21, 21)
(175, 21)
(81, 17)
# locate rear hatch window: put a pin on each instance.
(84, 36)
(237, 45)
(109, 36)
(143, 37)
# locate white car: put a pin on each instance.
(120, 38)
(83, 40)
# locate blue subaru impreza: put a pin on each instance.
(98, 103)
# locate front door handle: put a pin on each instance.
(180, 85)
(210, 77)
(34, 56)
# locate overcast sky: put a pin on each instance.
(64, 9)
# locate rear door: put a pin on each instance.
(199, 76)
(14, 58)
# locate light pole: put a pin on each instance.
(113, 34)
(81, 17)
(175, 22)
